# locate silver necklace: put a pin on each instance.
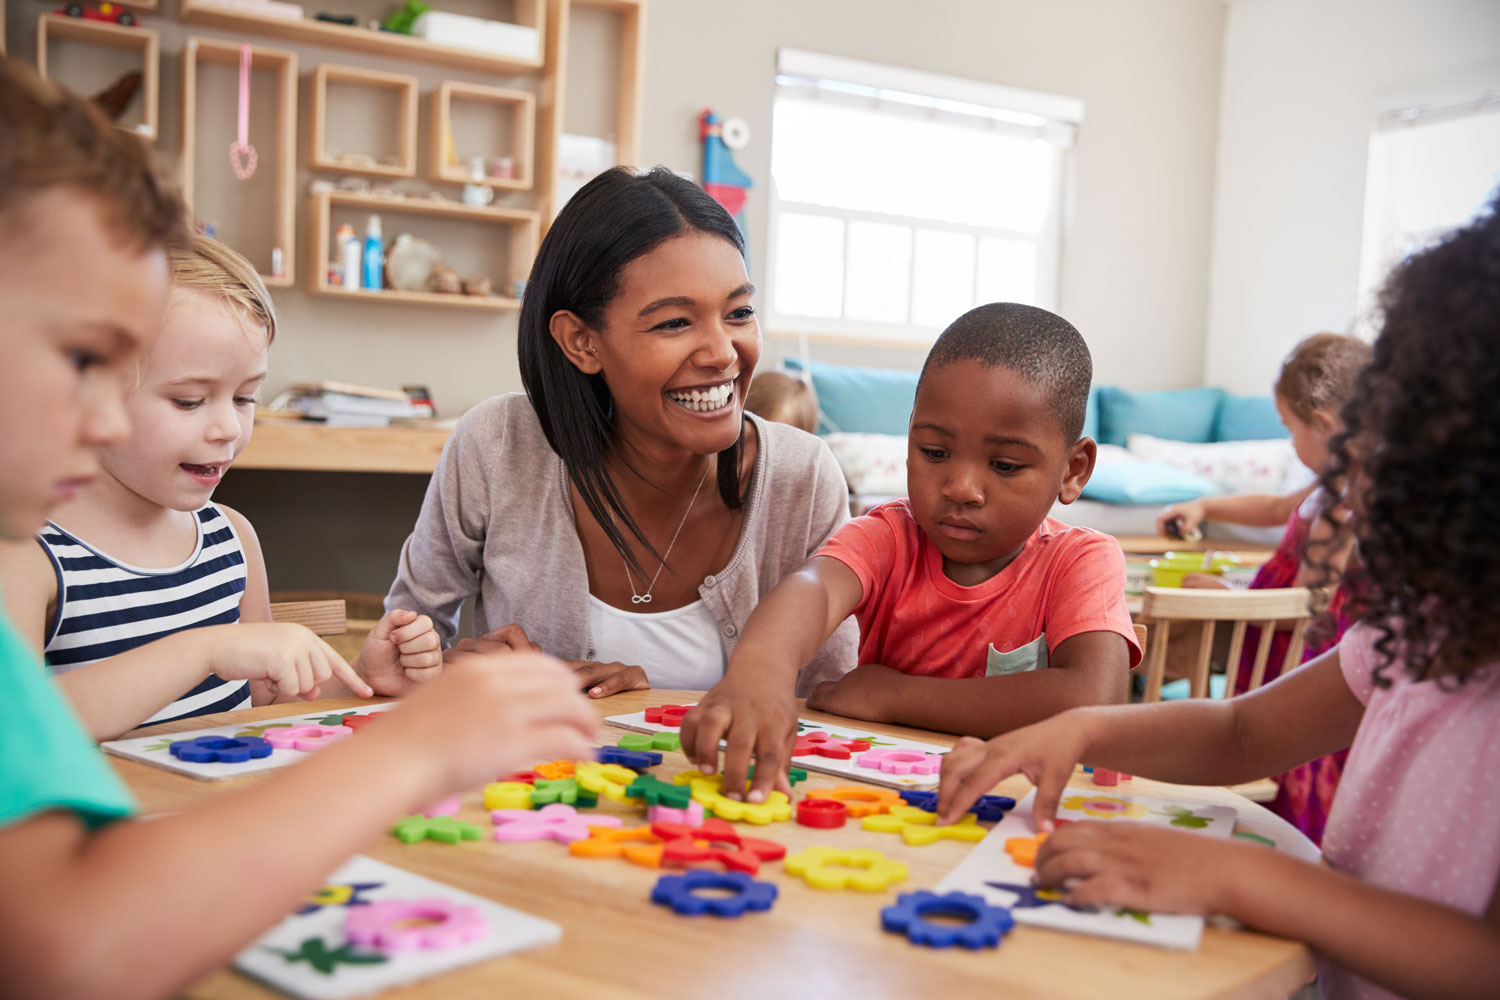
(629, 582)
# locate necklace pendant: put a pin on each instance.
(640, 598)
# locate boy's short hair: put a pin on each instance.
(1320, 373)
(785, 398)
(1037, 345)
(203, 264)
(52, 138)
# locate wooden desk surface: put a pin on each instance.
(811, 943)
(309, 446)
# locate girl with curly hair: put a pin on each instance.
(1407, 903)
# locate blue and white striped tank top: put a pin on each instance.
(106, 607)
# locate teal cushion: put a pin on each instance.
(1248, 418)
(1091, 416)
(1145, 482)
(1183, 688)
(860, 400)
(1177, 415)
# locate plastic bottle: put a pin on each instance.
(373, 275)
(347, 251)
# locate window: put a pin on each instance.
(900, 199)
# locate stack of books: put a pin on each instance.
(339, 404)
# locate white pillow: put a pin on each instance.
(1232, 466)
(873, 463)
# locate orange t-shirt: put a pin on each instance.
(1064, 582)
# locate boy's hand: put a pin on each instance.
(289, 658)
(866, 692)
(487, 715)
(756, 720)
(1045, 753)
(1140, 866)
(600, 680)
(401, 651)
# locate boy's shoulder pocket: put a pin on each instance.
(1032, 656)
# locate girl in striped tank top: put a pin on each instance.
(149, 601)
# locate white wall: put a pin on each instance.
(1302, 79)
(1134, 278)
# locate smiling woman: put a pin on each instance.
(578, 513)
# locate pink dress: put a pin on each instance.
(1416, 811)
(1304, 794)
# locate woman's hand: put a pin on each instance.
(600, 680)
(755, 719)
(1045, 752)
(1141, 866)
(503, 640)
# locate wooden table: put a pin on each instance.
(811, 944)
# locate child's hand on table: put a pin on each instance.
(287, 658)
(756, 719)
(863, 693)
(484, 717)
(402, 650)
(1045, 752)
(600, 680)
(1141, 866)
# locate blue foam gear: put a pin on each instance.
(223, 749)
(677, 892)
(987, 924)
(637, 760)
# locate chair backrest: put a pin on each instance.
(323, 617)
(1164, 605)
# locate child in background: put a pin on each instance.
(1317, 379)
(977, 612)
(784, 398)
(135, 587)
(94, 905)
(1409, 900)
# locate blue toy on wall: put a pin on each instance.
(725, 182)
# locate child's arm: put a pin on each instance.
(116, 895)
(1304, 714)
(1092, 668)
(1256, 510)
(1413, 947)
(753, 707)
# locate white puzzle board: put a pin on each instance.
(153, 749)
(850, 768)
(988, 863)
(288, 956)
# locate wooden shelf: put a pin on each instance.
(523, 227)
(522, 108)
(353, 39)
(406, 119)
(314, 447)
(283, 161)
(60, 27)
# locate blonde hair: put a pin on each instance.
(1320, 373)
(783, 398)
(203, 264)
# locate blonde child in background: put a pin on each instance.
(784, 398)
(134, 589)
(1408, 902)
(1317, 379)
(95, 905)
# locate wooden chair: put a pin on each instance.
(323, 617)
(1165, 605)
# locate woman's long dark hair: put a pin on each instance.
(614, 219)
(1421, 446)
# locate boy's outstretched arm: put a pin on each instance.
(754, 707)
(1091, 668)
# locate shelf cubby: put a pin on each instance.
(388, 101)
(500, 122)
(88, 76)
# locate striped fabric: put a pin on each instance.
(106, 607)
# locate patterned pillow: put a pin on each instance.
(1232, 466)
(873, 463)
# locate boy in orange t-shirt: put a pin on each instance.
(977, 613)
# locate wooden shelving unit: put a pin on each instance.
(378, 43)
(314, 447)
(523, 228)
(520, 105)
(196, 51)
(406, 119)
(59, 27)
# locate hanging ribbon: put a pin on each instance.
(242, 155)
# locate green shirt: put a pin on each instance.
(47, 760)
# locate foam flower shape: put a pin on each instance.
(918, 828)
(307, 738)
(861, 800)
(892, 760)
(555, 770)
(220, 749)
(564, 790)
(857, 868)
(555, 822)
(985, 927)
(1023, 849)
(608, 780)
(1104, 806)
(667, 715)
(444, 829)
(821, 744)
(640, 845)
(408, 925)
(650, 741)
(717, 841)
